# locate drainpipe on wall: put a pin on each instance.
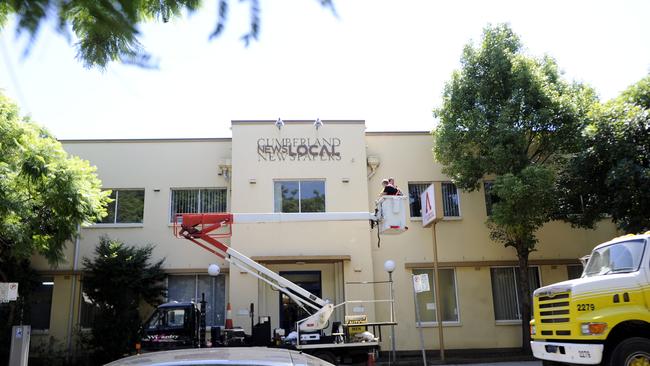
(73, 291)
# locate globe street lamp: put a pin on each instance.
(389, 266)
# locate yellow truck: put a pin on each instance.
(602, 318)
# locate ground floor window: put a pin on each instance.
(504, 291)
(41, 304)
(190, 287)
(448, 296)
(574, 271)
(88, 310)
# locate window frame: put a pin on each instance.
(170, 213)
(444, 218)
(431, 324)
(460, 213)
(299, 180)
(122, 224)
(514, 273)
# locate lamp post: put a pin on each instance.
(389, 266)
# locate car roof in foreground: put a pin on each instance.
(260, 356)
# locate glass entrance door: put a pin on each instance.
(290, 312)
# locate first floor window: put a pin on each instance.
(504, 291)
(426, 300)
(490, 197)
(197, 200)
(191, 287)
(415, 191)
(127, 207)
(40, 303)
(292, 196)
(450, 200)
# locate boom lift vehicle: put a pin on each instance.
(345, 341)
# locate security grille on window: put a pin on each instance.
(504, 291)
(41, 304)
(127, 207)
(198, 201)
(426, 300)
(450, 200)
(299, 196)
(88, 310)
(190, 287)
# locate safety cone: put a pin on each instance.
(229, 317)
(371, 359)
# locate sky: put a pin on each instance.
(385, 62)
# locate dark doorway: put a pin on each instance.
(290, 312)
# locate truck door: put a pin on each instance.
(169, 328)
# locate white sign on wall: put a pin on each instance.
(421, 283)
(428, 204)
(8, 291)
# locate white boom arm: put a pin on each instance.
(321, 309)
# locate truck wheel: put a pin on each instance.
(632, 352)
(551, 363)
(327, 356)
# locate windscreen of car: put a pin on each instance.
(167, 318)
(616, 258)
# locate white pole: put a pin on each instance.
(418, 322)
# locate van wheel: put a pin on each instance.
(632, 352)
(550, 363)
(327, 356)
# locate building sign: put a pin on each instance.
(428, 204)
(299, 149)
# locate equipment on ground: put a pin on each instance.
(603, 317)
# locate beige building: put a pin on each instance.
(298, 168)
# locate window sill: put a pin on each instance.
(40, 331)
(508, 322)
(446, 218)
(114, 226)
(435, 324)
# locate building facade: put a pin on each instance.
(299, 168)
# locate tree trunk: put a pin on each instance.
(524, 299)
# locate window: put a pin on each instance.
(490, 198)
(190, 287)
(41, 304)
(426, 300)
(88, 310)
(127, 207)
(299, 196)
(169, 318)
(198, 201)
(574, 271)
(450, 200)
(504, 291)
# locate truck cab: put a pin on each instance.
(172, 325)
(602, 317)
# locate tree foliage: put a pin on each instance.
(44, 193)
(611, 174)
(512, 118)
(106, 31)
(117, 281)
